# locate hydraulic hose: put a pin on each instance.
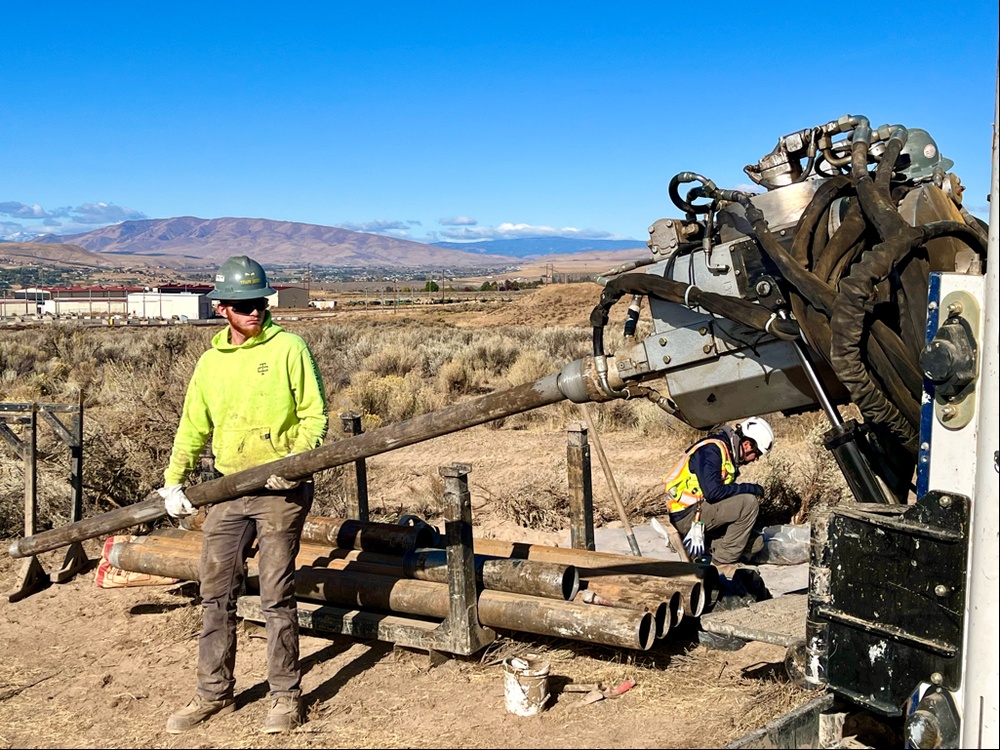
(848, 324)
(733, 308)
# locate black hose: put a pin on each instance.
(848, 326)
(736, 309)
(956, 229)
(681, 177)
(828, 192)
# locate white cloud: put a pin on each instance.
(82, 218)
(18, 210)
(458, 221)
(390, 227)
(104, 213)
(508, 230)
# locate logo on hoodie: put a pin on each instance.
(262, 368)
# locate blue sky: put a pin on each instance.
(457, 120)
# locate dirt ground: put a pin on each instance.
(91, 667)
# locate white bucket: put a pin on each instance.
(525, 684)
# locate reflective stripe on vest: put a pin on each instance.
(681, 484)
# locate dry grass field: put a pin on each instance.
(86, 667)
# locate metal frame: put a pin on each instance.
(357, 493)
(459, 633)
(32, 576)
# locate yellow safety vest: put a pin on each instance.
(681, 484)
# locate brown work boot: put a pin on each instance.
(284, 716)
(197, 712)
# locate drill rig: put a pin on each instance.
(855, 275)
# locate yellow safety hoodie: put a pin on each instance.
(259, 401)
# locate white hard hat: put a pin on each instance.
(759, 431)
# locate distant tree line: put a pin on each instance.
(35, 276)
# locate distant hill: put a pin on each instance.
(53, 254)
(192, 242)
(533, 247)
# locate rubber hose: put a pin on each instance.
(846, 242)
(828, 192)
(877, 207)
(848, 326)
(733, 308)
(886, 167)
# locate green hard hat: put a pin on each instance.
(920, 156)
(240, 277)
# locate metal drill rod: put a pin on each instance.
(450, 419)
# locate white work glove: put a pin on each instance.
(279, 483)
(694, 540)
(176, 502)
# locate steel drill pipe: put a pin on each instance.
(549, 580)
(371, 536)
(588, 562)
(700, 582)
(691, 593)
(624, 628)
(578, 380)
(349, 533)
(660, 610)
(654, 600)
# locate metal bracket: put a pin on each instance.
(955, 413)
(895, 612)
(460, 632)
(31, 579)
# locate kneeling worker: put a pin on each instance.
(704, 497)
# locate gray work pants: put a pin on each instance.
(276, 521)
(728, 525)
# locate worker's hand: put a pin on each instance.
(694, 541)
(279, 483)
(176, 502)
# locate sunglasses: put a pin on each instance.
(247, 306)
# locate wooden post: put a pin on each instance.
(32, 576)
(612, 485)
(581, 494)
(76, 559)
(357, 493)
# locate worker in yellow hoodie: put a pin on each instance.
(259, 396)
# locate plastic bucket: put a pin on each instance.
(525, 684)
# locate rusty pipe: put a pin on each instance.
(349, 533)
(624, 628)
(692, 592)
(577, 381)
(659, 609)
(588, 562)
(549, 580)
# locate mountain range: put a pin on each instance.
(191, 242)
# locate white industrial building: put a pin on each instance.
(180, 305)
(170, 301)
